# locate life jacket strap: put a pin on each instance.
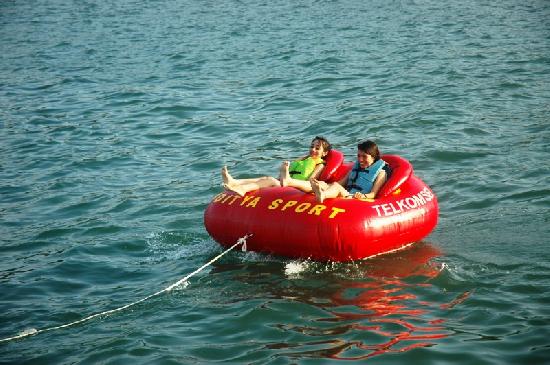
(356, 187)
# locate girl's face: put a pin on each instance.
(316, 149)
(365, 160)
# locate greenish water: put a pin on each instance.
(116, 118)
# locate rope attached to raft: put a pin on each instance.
(184, 281)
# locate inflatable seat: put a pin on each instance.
(401, 170)
(333, 161)
(336, 169)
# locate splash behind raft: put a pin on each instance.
(287, 222)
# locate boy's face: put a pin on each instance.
(364, 159)
(316, 149)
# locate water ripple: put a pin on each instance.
(112, 139)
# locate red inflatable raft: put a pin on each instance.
(287, 222)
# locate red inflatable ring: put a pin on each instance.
(287, 222)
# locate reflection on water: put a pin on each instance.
(382, 305)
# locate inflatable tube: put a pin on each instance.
(286, 222)
(333, 161)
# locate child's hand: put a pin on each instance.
(364, 197)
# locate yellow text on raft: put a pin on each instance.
(251, 201)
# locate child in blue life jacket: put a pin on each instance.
(362, 182)
(296, 174)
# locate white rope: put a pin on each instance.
(34, 331)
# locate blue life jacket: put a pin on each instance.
(362, 180)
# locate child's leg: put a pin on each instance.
(256, 180)
(226, 177)
(284, 174)
(299, 184)
(231, 181)
(323, 192)
(286, 180)
(242, 188)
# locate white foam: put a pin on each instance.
(28, 332)
(295, 268)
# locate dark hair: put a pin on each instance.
(324, 142)
(371, 148)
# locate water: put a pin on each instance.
(116, 118)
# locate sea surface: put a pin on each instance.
(116, 117)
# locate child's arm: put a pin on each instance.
(316, 172)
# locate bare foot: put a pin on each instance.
(319, 193)
(226, 177)
(235, 188)
(284, 175)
